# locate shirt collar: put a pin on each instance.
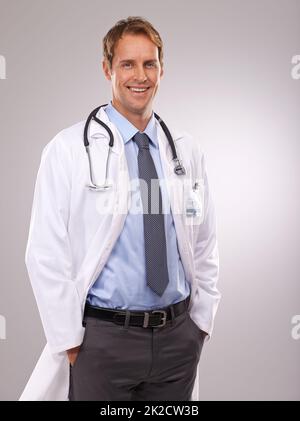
(127, 129)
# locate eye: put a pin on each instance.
(126, 65)
(151, 65)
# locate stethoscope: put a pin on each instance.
(178, 166)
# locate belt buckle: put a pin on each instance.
(164, 317)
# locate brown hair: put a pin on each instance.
(131, 25)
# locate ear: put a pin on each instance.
(106, 69)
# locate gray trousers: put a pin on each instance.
(136, 363)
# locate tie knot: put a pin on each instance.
(142, 140)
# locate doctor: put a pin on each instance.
(124, 278)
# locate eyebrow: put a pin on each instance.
(132, 61)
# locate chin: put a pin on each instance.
(136, 108)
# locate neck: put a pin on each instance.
(140, 121)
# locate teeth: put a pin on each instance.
(138, 89)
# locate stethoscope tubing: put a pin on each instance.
(178, 168)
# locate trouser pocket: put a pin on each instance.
(198, 332)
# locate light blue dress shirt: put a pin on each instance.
(122, 282)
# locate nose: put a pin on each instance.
(140, 74)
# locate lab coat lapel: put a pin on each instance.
(175, 186)
(111, 222)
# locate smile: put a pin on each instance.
(138, 90)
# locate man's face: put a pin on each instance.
(135, 66)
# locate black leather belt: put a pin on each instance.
(151, 318)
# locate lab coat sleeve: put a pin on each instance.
(48, 254)
(206, 263)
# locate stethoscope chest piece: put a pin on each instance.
(179, 168)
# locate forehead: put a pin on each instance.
(134, 46)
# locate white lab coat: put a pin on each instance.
(74, 229)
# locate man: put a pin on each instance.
(142, 282)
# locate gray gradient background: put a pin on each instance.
(228, 81)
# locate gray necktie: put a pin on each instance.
(154, 229)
